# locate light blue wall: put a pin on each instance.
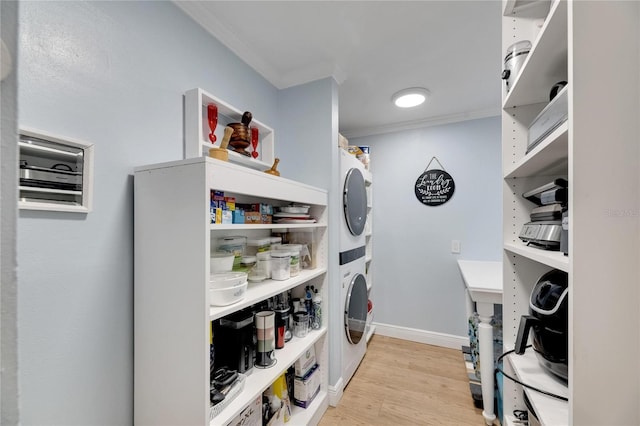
(416, 281)
(307, 128)
(310, 134)
(9, 391)
(113, 74)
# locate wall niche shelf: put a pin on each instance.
(196, 130)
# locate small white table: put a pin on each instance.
(483, 280)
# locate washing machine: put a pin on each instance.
(354, 203)
(355, 299)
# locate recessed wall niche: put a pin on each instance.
(56, 173)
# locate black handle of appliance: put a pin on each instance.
(526, 321)
(62, 166)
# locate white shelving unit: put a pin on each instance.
(196, 130)
(597, 151)
(368, 181)
(528, 371)
(172, 310)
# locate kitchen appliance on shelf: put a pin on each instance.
(514, 59)
(58, 176)
(545, 228)
(551, 117)
(233, 341)
(548, 317)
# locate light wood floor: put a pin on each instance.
(406, 383)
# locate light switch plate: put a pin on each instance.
(455, 246)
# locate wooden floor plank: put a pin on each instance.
(406, 383)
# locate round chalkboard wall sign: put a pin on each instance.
(434, 187)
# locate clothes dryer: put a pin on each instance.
(355, 301)
(354, 202)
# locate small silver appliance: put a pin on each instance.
(513, 61)
(550, 118)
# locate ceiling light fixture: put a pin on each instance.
(412, 97)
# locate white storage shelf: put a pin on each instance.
(589, 36)
(546, 63)
(554, 259)
(196, 128)
(550, 410)
(173, 241)
(263, 290)
(260, 379)
(550, 157)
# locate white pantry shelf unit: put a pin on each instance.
(196, 130)
(368, 230)
(597, 151)
(173, 240)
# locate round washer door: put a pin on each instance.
(354, 199)
(356, 306)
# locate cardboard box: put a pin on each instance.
(252, 217)
(262, 208)
(230, 202)
(217, 195)
(306, 362)
(218, 215)
(238, 216)
(266, 218)
(305, 389)
(227, 216)
(250, 416)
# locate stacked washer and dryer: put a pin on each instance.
(354, 295)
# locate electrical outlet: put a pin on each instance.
(455, 246)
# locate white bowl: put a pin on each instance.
(295, 209)
(227, 279)
(227, 296)
(221, 262)
(257, 277)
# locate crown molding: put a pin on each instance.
(418, 124)
(218, 29)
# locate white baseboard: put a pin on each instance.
(421, 336)
(335, 392)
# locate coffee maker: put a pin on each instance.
(236, 347)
